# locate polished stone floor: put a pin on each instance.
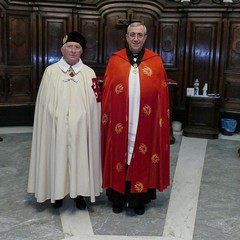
(202, 203)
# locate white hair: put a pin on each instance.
(136, 24)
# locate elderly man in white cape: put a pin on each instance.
(65, 155)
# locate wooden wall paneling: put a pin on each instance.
(152, 30)
(35, 53)
(217, 76)
(52, 29)
(182, 53)
(18, 38)
(168, 43)
(39, 48)
(223, 58)
(203, 59)
(2, 84)
(19, 85)
(2, 34)
(233, 59)
(232, 92)
(172, 49)
(232, 71)
(90, 30)
(2, 51)
(168, 47)
(171, 43)
(194, 42)
(114, 35)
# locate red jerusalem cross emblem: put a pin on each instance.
(71, 74)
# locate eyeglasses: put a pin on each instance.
(77, 48)
(138, 35)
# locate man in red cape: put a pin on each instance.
(135, 124)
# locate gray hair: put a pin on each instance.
(136, 24)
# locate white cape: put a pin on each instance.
(65, 156)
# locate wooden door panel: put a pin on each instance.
(232, 92)
(114, 35)
(90, 30)
(115, 30)
(53, 28)
(203, 58)
(18, 39)
(233, 62)
(168, 43)
(19, 85)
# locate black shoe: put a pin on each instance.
(117, 208)
(139, 210)
(57, 203)
(80, 202)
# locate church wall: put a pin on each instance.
(196, 41)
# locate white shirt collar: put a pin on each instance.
(65, 66)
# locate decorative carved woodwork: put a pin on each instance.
(202, 59)
(18, 39)
(90, 29)
(113, 35)
(232, 92)
(202, 117)
(194, 42)
(130, 18)
(52, 28)
(233, 62)
(168, 43)
(16, 86)
(232, 72)
(16, 82)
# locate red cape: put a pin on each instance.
(150, 165)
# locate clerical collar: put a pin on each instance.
(65, 66)
(135, 58)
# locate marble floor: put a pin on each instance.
(202, 203)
